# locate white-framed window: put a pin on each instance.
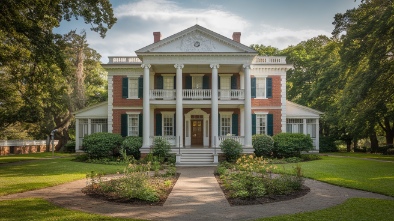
(99, 125)
(225, 124)
(311, 127)
(168, 124)
(133, 125)
(260, 87)
(168, 81)
(133, 87)
(261, 124)
(83, 127)
(295, 126)
(197, 82)
(225, 82)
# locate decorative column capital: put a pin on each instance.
(179, 66)
(216, 66)
(145, 66)
(246, 66)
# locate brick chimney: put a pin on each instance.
(156, 37)
(237, 37)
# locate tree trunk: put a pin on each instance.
(374, 142)
(389, 131)
(349, 145)
(355, 144)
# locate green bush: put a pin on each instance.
(102, 145)
(232, 149)
(246, 185)
(263, 145)
(327, 144)
(70, 146)
(161, 148)
(132, 146)
(310, 157)
(390, 151)
(291, 145)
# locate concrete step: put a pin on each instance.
(196, 159)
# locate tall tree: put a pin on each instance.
(265, 50)
(367, 53)
(35, 63)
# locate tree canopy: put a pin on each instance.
(42, 73)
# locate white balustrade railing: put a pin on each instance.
(170, 139)
(233, 94)
(269, 60)
(240, 139)
(162, 94)
(124, 59)
(196, 94)
(20, 143)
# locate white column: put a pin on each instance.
(214, 106)
(145, 108)
(179, 106)
(248, 107)
(317, 134)
(304, 126)
(77, 139)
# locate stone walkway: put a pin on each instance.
(196, 196)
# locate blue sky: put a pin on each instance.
(278, 23)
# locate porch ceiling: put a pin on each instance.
(194, 68)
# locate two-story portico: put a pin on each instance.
(195, 89)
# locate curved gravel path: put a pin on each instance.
(197, 196)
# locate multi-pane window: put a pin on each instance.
(225, 82)
(294, 126)
(168, 125)
(133, 87)
(83, 127)
(197, 82)
(133, 122)
(260, 87)
(168, 82)
(311, 127)
(261, 124)
(225, 125)
(99, 125)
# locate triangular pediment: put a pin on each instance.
(194, 40)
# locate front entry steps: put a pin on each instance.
(196, 157)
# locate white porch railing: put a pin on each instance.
(170, 139)
(198, 94)
(162, 94)
(233, 94)
(240, 139)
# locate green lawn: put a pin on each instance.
(44, 173)
(355, 209)
(365, 155)
(368, 175)
(30, 156)
(39, 209)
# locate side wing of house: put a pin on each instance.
(90, 120)
(301, 119)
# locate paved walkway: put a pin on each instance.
(196, 196)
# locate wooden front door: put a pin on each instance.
(197, 132)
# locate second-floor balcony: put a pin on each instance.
(196, 94)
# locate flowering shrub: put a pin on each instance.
(247, 178)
